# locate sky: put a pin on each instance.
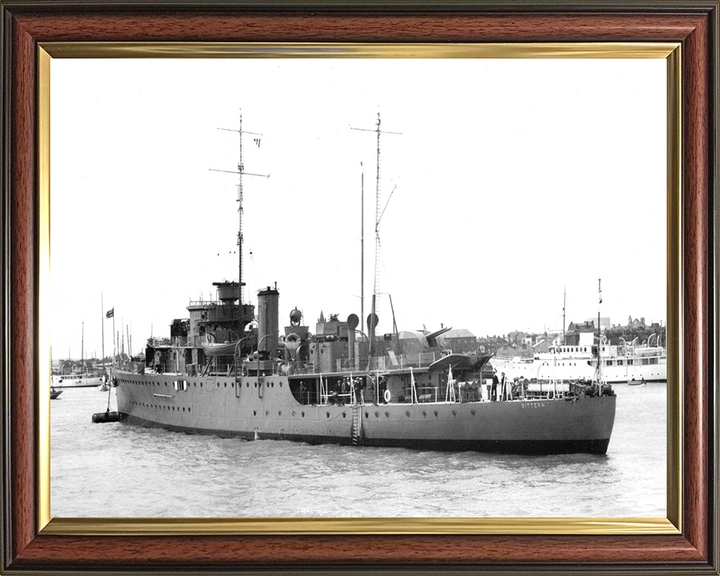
(508, 183)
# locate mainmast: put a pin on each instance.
(362, 245)
(241, 172)
(372, 318)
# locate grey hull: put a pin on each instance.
(267, 409)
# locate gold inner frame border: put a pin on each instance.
(671, 52)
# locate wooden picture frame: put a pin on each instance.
(29, 546)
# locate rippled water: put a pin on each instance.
(121, 470)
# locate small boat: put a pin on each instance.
(54, 393)
(78, 380)
(640, 382)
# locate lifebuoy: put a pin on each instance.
(387, 396)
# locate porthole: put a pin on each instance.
(327, 414)
(280, 384)
(267, 412)
(201, 384)
(247, 384)
(472, 412)
(344, 415)
(302, 414)
(188, 409)
(366, 415)
(225, 385)
(387, 414)
(436, 413)
(424, 413)
(183, 409)
(254, 412)
(377, 414)
(454, 413)
(218, 384)
(255, 385)
(407, 413)
(279, 412)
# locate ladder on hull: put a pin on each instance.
(356, 429)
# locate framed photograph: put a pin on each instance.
(356, 288)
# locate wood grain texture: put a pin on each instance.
(696, 231)
(22, 293)
(222, 552)
(321, 27)
(687, 553)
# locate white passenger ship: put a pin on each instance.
(623, 363)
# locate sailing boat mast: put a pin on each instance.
(102, 331)
(82, 348)
(599, 356)
(564, 300)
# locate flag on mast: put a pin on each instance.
(110, 313)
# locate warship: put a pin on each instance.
(228, 369)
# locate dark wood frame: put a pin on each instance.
(694, 24)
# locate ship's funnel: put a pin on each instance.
(268, 321)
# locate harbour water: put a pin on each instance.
(122, 470)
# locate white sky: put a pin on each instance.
(513, 179)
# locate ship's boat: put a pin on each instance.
(219, 348)
(54, 393)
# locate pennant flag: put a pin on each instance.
(110, 313)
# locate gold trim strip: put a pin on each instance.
(674, 289)
(347, 526)
(175, 526)
(44, 353)
(354, 50)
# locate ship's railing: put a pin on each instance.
(205, 303)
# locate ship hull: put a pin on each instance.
(526, 446)
(265, 408)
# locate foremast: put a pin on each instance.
(241, 173)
